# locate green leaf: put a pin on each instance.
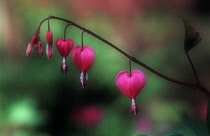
(192, 38)
(189, 128)
(208, 117)
(182, 130)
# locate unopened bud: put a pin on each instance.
(39, 48)
(49, 50)
(29, 49)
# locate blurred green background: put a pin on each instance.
(36, 99)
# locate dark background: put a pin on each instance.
(38, 100)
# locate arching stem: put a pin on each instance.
(193, 85)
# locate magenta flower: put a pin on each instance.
(32, 44)
(130, 84)
(83, 57)
(64, 46)
(49, 40)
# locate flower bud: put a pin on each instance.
(49, 40)
(29, 49)
(39, 47)
(49, 50)
(32, 43)
(49, 37)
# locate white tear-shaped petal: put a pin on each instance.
(83, 79)
(64, 66)
(133, 105)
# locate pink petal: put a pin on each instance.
(83, 58)
(64, 46)
(138, 80)
(130, 84)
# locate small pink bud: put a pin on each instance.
(131, 84)
(83, 57)
(29, 49)
(49, 37)
(39, 47)
(64, 46)
(34, 39)
(64, 66)
(49, 40)
(83, 79)
(32, 43)
(134, 107)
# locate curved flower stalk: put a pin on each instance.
(64, 46)
(131, 84)
(83, 57)
(49, 47)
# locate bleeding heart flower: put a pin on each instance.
(130, 84)
(83, 57)
(32, 44)
(49, 40)
(64, 46)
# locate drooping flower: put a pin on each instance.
(131, 84)
(49, 47)
(32, 44)
(64, 46)
(39, 47)
(83, 57)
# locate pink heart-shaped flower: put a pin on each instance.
(130, 84)
(83, 57)
(64, 46)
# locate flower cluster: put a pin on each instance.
(129, 83)
(83, 57)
